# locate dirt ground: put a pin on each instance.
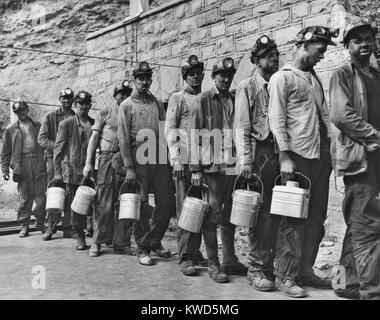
(74, 275)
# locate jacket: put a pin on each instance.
(12, 148)
(70, 150)
(48, 131)
(295, 104)
(251, 122)
(209, 119)
(350, 131)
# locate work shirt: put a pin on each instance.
(251, 117)
(213, 113)
(106, 123)
(138, 120)
(49, 128)
(296, 107)
(372, 86)
(29, 141)
(177, 123)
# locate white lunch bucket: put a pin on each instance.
(55, 199)
(130, 203)
(84, 198)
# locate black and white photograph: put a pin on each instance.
(189, 157)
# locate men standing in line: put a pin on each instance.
(256, 155)
(299, 120)
(355, 150)
(177, 121)
(25, 157)
(140, 117)
(46, 139)
(104, 135)
(70, 156)
(212, 113)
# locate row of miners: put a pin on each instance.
(287, 127)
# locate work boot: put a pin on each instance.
(89, 233)
(260, 281)
(290, 288)
(128, 250)
(24, 231)
(235, 268)
(144, 258)
(81, 243)
(315, 282)
(199, 260)
(348, 293)
(94, 250)
(216, 273)
(41, 226)
(163, 253)
(47, 235)
(187, 268)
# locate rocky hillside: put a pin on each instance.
(58, 25)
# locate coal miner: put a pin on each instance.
(299, 121)
(256, 155)
(210, 131)
(355, 150)
(70, 156)
(25, 157)
(46, 139)
(177, 121)
(110, 174)
(140, 118)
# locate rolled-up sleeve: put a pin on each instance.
(245, 144)
(173, 115)
(278, 93)
(343, 114)
(124, 133)
(195, 125)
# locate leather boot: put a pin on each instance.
(81, 243)
(47, 235)
(24, 231)
(216, 273)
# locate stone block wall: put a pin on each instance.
(211, 29)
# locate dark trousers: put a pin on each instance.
(220, 203)
(54, 217)
(262, 238)
(299, 239)
(361, 247)
(158, 178)
(31, 188)
(188, 242)
(107, 226)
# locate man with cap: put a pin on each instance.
(355, 151)
(70, 156)
(46, 139)
(211, 124)
(256, 156)
(140, 118)
(177, 121)
(25, 157)
(299, 121)
(110, 172)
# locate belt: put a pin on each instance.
(108, 152)
(29, 154)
